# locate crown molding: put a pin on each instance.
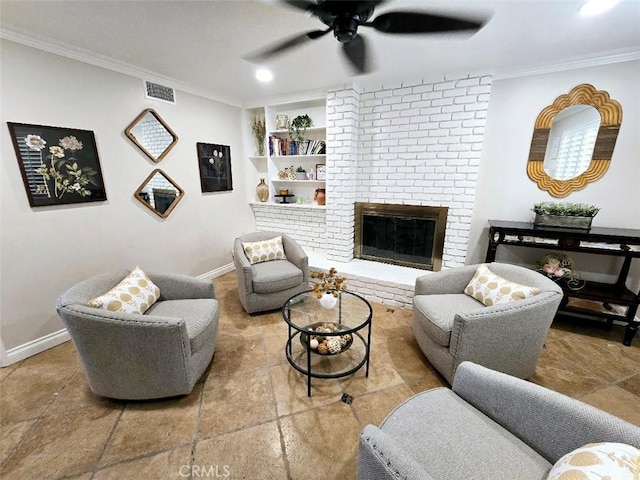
(85, 56)
(616, 56)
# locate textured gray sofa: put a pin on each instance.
(491, 426)
(452, 327)
(159, 354)
(268, 285)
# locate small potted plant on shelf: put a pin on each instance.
(301, 174)
(566, 215)
(298, 127)
(328, 286)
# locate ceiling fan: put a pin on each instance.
(343, 19)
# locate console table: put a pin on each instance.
(600, 241)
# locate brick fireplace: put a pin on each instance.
(407, 235)
(408, 143)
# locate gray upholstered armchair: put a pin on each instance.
(267, 285)
(451, 326)
(490, 426)
(133, 357)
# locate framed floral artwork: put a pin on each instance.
(214, 162)
(58, 165)
(321, 171)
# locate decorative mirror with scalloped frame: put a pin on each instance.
(159, 193)
(151, 135)
(573, 140)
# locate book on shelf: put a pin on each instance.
(286, 146)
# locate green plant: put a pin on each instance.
(300, 169)
(299, 125)
(259, 132)
(566, 209)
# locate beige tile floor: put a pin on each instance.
(250, 416)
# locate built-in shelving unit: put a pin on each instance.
(269, 166)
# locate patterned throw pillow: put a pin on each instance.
(134, 294)
(598, 461)
(492, 289)
(264, 250)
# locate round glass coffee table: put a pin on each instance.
(328, 342)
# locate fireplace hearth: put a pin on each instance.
(408, 235)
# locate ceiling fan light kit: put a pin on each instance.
(343, 18)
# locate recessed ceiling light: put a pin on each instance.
(264, 75)
(594, 7)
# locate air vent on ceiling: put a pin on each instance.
(160, 92)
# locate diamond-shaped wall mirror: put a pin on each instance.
(159, 193)
(151, 135)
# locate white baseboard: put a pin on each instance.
(38, 345)
(35, 346)
(218, 272)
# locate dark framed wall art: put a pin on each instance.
(214, 162)
(58, 165)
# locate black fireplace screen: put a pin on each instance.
(402, 239)
(410, 235)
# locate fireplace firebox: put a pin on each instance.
(409, 235)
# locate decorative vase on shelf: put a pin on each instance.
(320, 196)
(328, 300)
(262, 191)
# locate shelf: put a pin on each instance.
(298, 157)
(598, 241)
(308, 130)
(315, 182)
(289, 205)
(602, 292)
(263, 157)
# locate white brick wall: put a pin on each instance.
(342, 153)
(420, 144)
(378, 290)
(306, 224)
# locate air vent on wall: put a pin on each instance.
(160, 92)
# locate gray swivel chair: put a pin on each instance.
(489, 426)
(451, 327)
(160, 354)
(267, 285)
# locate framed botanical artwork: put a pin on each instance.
(321, 171)
(214, 162)
(58, 165)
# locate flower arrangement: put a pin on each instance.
(62, 167)
(565, 209)
(559, 266)
(329, 282)
(556, 266)
(259, 132)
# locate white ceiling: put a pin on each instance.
(201, 43)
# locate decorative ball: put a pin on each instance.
(313, 343)
(334, 345)
(343, 341)
(322, 348)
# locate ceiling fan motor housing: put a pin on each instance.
(344, 17)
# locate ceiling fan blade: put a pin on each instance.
(305, 5)
(417, 22)
(283, 45)
(356, 53)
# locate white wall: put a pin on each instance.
(505, 192)
(48, 249)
